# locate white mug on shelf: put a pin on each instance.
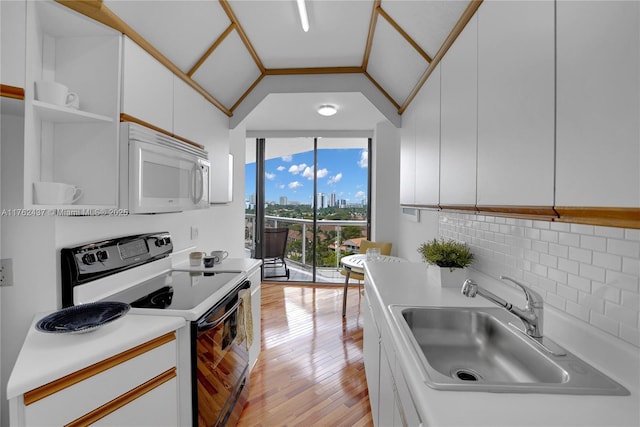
(56, 93)
(219, 256)
(56, 193)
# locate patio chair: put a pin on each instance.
(275, 246)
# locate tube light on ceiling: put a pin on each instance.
(304, 18)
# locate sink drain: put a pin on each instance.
(466, 375)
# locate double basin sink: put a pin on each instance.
(482, 349)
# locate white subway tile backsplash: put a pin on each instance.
(590, 272)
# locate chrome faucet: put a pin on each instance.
(532, 313)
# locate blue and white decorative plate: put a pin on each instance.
(82, 318)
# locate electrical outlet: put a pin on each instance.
(194, 232)
(6, 272)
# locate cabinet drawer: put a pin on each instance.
(79, 393)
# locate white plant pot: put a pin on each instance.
(446, 278)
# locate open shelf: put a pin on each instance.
(61, 114)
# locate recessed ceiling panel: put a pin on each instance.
(394, 63)
(337, 35)
(298, 111)
(182, 30)
(428, 23)
(228, 72)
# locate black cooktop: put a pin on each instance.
(175, 290)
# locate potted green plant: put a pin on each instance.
(449, 260)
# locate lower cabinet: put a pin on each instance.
(135, 387)
(389, 396)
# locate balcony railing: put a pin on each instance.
(332, 243)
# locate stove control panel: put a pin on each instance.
(91, 261)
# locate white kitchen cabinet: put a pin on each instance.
(371, 356)
(147, 87)
(221, 176)
(459, 121)
(516, 93)
(387, 410)
(256, 312)
(61, 144)
(598, 154)
(428, 142)
(13, 42)
(194, 118)
(420, 147)
(405, 405)
(408, 156)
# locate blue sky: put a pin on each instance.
(340, 171)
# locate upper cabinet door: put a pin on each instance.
(147, 87)
(516, 103)
(13, 40)
(427, 185)
(193, 115)
(459, 121)
(598, 148)
(408, 157)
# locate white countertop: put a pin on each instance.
(46, 357)
(246, 265)
(408, 284)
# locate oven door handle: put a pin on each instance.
(205, 326)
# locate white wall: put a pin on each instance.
(385, 181)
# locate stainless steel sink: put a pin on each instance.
(482, 349)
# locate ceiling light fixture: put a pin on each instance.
(304, 18)
(327, 110)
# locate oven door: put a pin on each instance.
(221, 366)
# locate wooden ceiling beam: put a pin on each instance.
(312, 70)
(404, 34)
(372, 30)
(453, 35)
(213, 47)
(97, 11)
(243, 36)
(247, 92)
(384, 92)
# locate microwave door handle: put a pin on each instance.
(198, 179)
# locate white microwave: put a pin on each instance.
(159, 173)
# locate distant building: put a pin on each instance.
(321, 200)
(342, 203)
(332, 200)
(283, 200)
(252, 199)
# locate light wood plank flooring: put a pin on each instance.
(310, 371)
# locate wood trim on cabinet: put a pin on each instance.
(404, 34)
(372, 30)
(11, 92)
(605, 216)
(123, 400)
(127, 118)
(243, 36)
(213, 47)
(542, 213)
(453, 35)
(416, 206)
(466, 208)
(55, 386)
(97, 11)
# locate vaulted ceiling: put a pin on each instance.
(228, 49)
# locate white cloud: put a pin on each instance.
(322, 173)
(360, 195)
(335, 179)
(280, 168)
(308, 173)
(280, 186)
(296, 169)
(286, 158)
(269, 176)
(364, 159)
(295, 184)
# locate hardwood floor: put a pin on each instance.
(310, 371)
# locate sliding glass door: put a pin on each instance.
(315, 188)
